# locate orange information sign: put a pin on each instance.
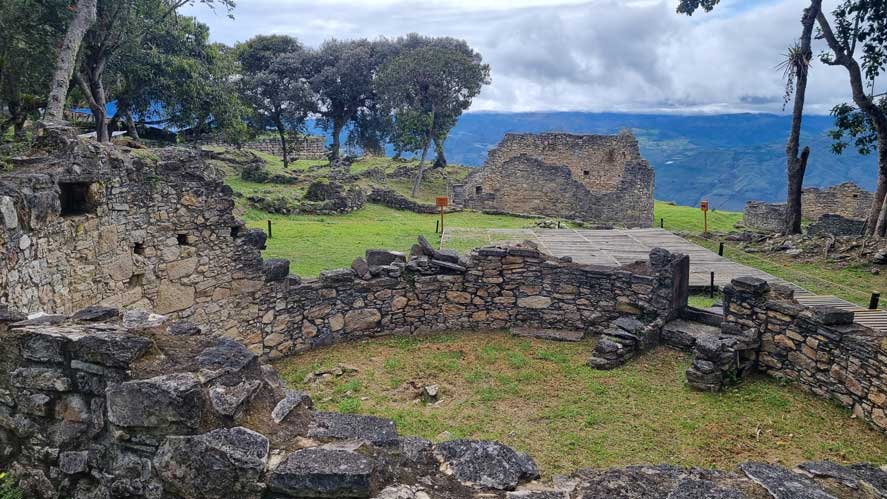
(443, 201)
(704, 205)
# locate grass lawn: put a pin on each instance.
(690, 219)
(315, 243)
(541, 398)
(854, 283)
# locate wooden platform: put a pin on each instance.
(617, 247)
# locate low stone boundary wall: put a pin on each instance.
(820, 348)
(837, 225)
(310, 147)
(491, 288)
(393, 199)
(768, 217)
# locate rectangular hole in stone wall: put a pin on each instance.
(77, 198)
(235, 231)
(183, 239)
(586, 173)
(478, 190)
(138, 249)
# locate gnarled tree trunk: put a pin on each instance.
(796, 166)
(441, 160)
(867, 105)
(67, 59)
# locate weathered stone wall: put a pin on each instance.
(847, 199)
(768, 217)
(837, 225)
(820, 348)
(157, 232)
(91, 224)
(599, 178)
(95, 407)
(491, 288)
(308, 147)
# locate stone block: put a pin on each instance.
(326, 473)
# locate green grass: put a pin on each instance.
(316, 243)
(691, 219)
(703, 300)
(853, 283)
(541, 397)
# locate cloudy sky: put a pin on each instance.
(597, 55)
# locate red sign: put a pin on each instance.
(704, 205)
(442, 201)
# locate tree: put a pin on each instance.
(343, 82)
(428, 88)
(176, 77)
(28, 33)
(862, 25)
(274, 82)
(120, 24)
(65, 64)
(796, 67)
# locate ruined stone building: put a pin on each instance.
(596, 178)
(840, 210)
(847, 199)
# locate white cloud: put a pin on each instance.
(597, 55)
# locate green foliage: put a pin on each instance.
(853, 124)
(690, 6)
(274, 82)
(9, 488)
(428, 86)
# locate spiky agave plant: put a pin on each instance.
(795, 64)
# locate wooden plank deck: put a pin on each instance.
(618, 247)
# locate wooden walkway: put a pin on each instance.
(618, 247)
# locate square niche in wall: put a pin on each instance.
(78, 198)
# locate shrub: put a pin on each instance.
(8, 487)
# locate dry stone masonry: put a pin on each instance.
(102, 399)
(597, 178)
(819, 348)
(307, 147)
(847, 200)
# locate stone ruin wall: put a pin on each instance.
(92, 406)
(597, 178)
(768, 217)
(839, 210)
(847, 199)
(159, 234)
(819, 348)
(154, 231)
(308, 147)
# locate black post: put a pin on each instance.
(269, 229)
(873, 303)
(661, 223)
(436, 226)
(711, 289)
(721, 250)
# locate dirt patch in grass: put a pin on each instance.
(541, 398)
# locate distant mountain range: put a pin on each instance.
(727, 159)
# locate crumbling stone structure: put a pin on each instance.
(97, 403)
(847, 200)
(306, 147)
(837, 225)
(819, 348)
(99, 406)
(597, 178)
(769, 217)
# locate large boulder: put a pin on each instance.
(216, 465)
(485, 464)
